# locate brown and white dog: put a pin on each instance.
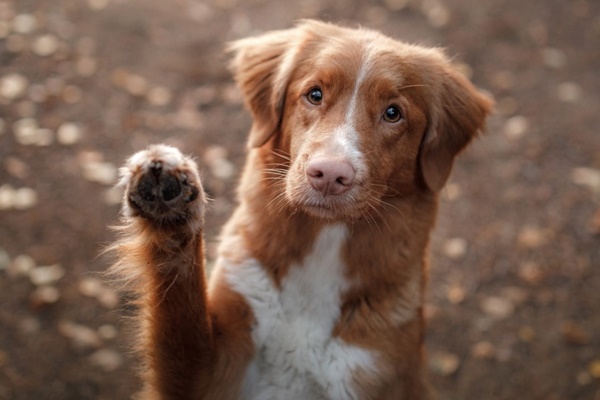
(318, 289)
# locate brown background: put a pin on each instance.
(515, 286)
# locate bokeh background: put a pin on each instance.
(514, 294)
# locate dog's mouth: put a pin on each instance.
(329, 207)
(319, 209)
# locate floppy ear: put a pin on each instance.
(262, 67)
(457, 114)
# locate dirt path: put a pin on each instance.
(515, 281)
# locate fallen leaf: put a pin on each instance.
(497, 307)
(455, 248)
(483, 350)
(574, 333)
(44, 295)
(531, 273)
(533, 237)
(594, 369)
(45, 275)
(107, 359)
(455, 294)
(585, 176)
(444, 364)
(81, 335)
(13, 86)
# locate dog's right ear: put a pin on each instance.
(262, 67)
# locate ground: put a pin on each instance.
(514, 285)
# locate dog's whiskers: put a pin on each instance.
(282, 154)
(375, 209)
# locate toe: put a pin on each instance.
(156, 168)
(146, 188)
(170, 187)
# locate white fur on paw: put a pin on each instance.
(170, 156)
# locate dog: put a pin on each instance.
(317, 292)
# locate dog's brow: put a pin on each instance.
(363, 70)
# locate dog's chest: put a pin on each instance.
(296, 357)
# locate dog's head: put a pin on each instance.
(360, 116)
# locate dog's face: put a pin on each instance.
(361, 117)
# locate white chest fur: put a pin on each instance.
(297, 358)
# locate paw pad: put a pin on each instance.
(161, 184)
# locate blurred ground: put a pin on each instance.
(515, 283)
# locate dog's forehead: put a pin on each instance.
(363, 58)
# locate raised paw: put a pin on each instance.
(163, 186)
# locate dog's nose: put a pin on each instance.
(330, 176)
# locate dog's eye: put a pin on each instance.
(315, 96)
(392, 114)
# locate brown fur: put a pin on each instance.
(197, 340)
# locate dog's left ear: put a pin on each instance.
(261, 67)
(458, 113)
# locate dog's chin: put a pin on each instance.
(322, 212)
(329, 210)
(344, 207)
